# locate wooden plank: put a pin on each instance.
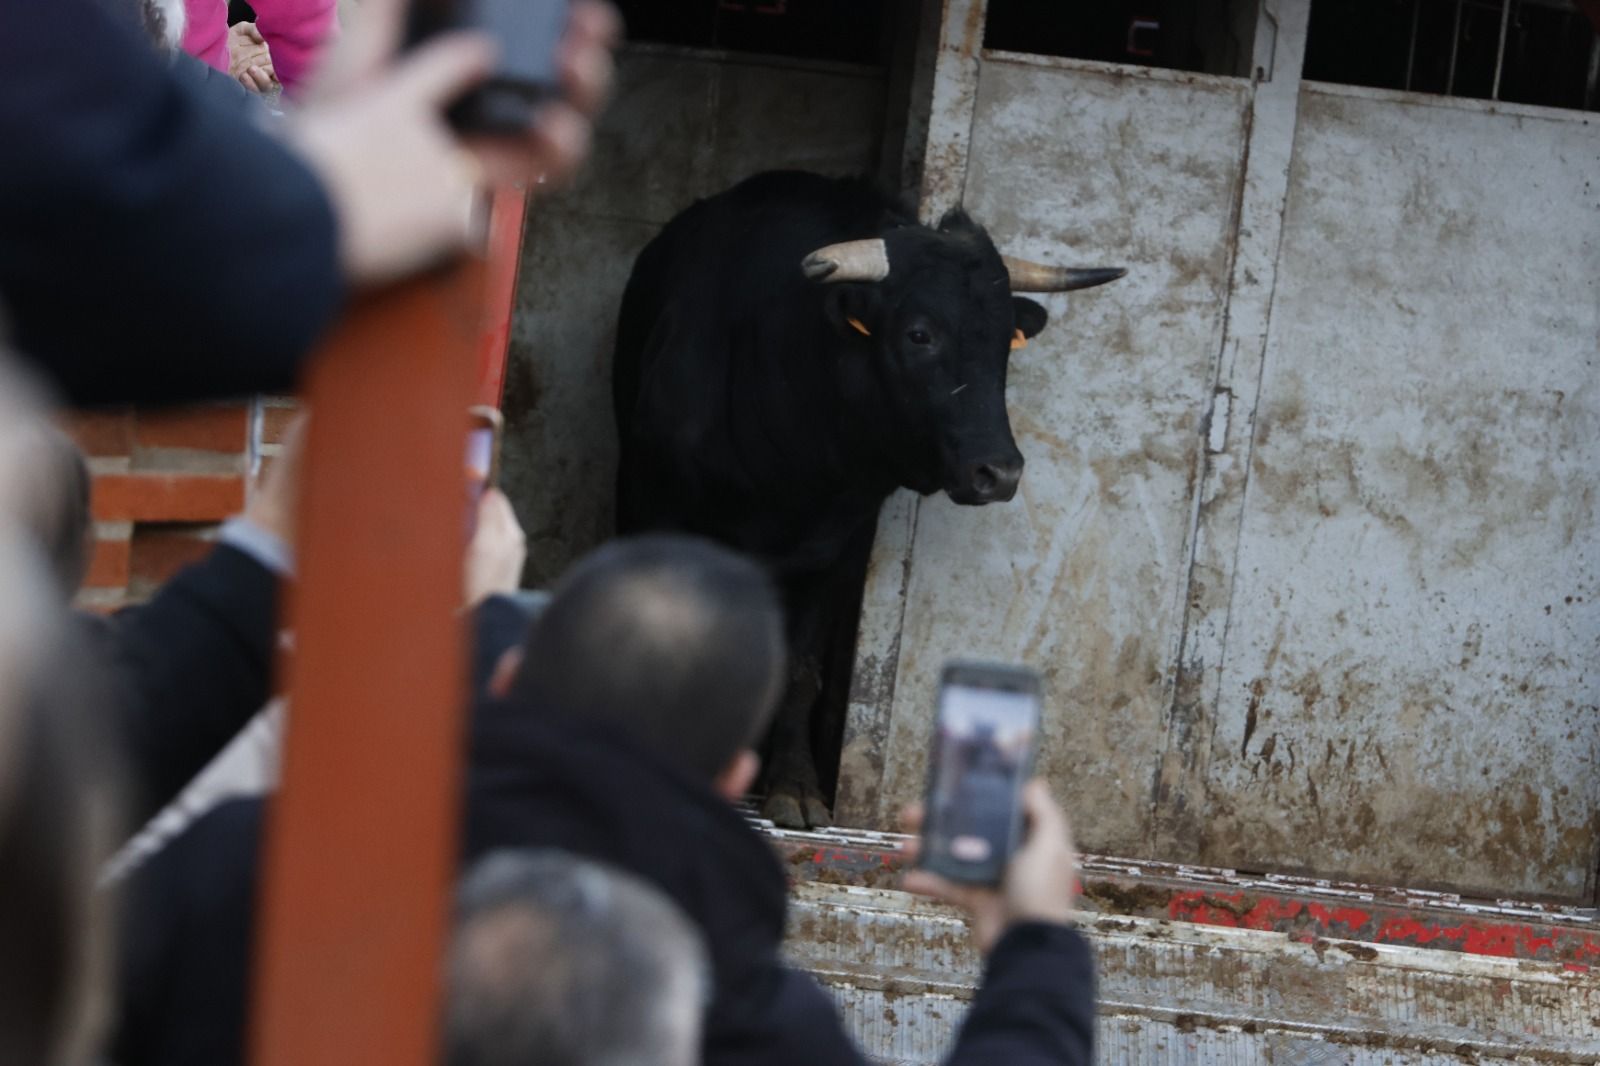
(361, 848)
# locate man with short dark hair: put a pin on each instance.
(558, 961)
(670, 640)
(624, 737)
(626, 734)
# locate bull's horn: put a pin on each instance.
(1036, 277)
(864, 260)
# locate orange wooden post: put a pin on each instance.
(505, 257)
(361, 846)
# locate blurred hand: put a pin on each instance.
(1039, 884)
(497, 552)
(404, 187)
(275, 501)
(249, 58)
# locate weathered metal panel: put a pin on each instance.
(1081, 574)
(1411, 692)
(682, 125)
(902, 970)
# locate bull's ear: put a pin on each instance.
(1029, 316)
(852, 309)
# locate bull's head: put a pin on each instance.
(932, 316)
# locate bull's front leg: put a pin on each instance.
(794, 794)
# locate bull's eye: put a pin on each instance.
(919, 337)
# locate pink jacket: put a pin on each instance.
(296, 30)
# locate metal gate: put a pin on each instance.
(1306, 546)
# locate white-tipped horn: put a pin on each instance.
(864, 260)
(1036, 277)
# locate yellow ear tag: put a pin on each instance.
(1018, 340)
(859, 328)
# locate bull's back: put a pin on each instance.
(721, 272)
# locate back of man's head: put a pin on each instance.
(558, 961)
(671, 640)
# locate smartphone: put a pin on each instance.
(984, 738)
(527, 32)
(483, 457)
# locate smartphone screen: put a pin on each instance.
(483, 441)
(985, 734)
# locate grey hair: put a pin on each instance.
(165, 21)
(559, 961)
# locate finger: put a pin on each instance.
(438, 72)
(253, 33)
(594, 22)
(586, 75)
(550, 154)
(561, 139)
(910, 850)
(1046, 820)
(911, 816)
(364, 47)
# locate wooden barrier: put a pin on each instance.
(361, 848)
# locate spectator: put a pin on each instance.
(557, 961)
(658, 664)
(295, 31)
(250, 58)
(53, 788)
(155, 248)
(626, 733)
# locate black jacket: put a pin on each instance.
(553, 784)
(155, 244)
(187, 670)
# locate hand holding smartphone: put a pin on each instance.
(528, 33)
(985, 736)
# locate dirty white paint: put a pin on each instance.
(1306, 543)
(1411, 685)
(1079, 574)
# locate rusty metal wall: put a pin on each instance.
(682, 125)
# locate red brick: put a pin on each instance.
(159, 551)
(221, 428)
(275, 423)
(100, 433)
(109, 564)
(167, 497)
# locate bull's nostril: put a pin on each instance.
(985, 479)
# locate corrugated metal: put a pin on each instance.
(902, 971)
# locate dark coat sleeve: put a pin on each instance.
(1036, 1004)
(184, 937)
(190, 668)
(1034, 1008)
(155, 246)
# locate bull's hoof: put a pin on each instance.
(796, 808)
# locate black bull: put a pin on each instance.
(788, 354)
